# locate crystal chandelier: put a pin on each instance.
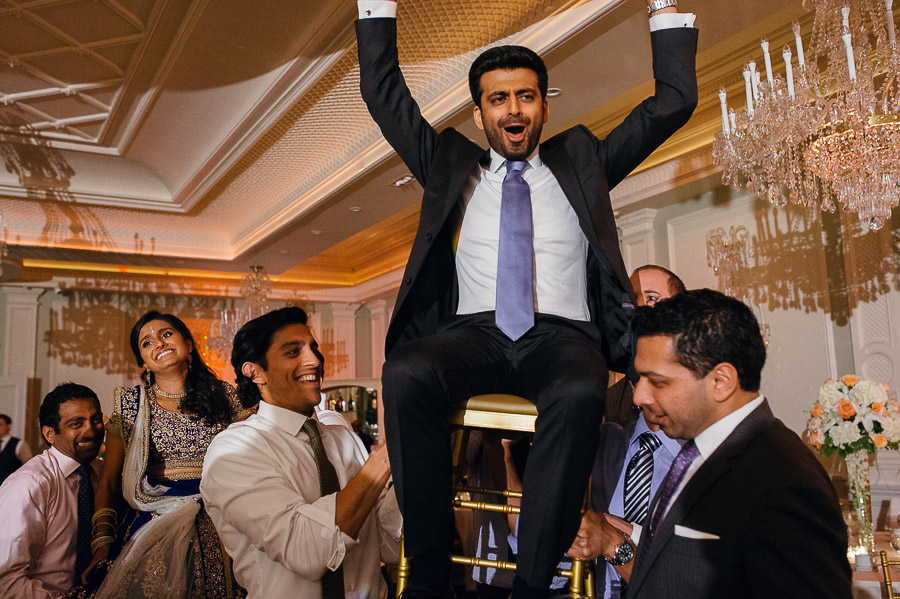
(815, 134)
(726, 254)
(255, 289)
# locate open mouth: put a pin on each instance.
(515, 132)
(165, 353)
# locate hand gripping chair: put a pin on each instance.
(501, 413)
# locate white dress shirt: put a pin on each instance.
(560, 247)
(39, 526)
(260, 486)
(710, 438)
(23, 452)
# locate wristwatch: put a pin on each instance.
(624, 552)
(659, 5)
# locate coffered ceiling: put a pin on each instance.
(193, 138)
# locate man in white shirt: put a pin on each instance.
(47, 504)
(746, 510)
(532, 300)
(300, 508)
(13, 451)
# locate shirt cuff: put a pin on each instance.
(371, 9)
(669, 20)
(635, 533)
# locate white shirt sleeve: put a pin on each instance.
(390, 525)
(303, 537)
(670, 20)
(636, 533)
(370, 9)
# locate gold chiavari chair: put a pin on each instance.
(886, 564)
(500, 413)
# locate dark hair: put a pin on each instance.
(5, 418)
(675, 284)
(508, 58)
(206, 399)
(252, 342)
(708, 328)
(49, 413)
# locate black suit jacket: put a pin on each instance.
(776, 514)
(586, 168)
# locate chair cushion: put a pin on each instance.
(494, 411)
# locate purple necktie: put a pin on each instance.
(683, 461)
(515, 255)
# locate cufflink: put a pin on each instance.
(368, 13)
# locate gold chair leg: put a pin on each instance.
(575, 584)
(403, 567)
(589, 589)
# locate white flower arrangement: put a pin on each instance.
(853, 415)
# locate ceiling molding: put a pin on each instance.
(297, 79)
(541, 37)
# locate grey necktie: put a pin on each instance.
(515, 255)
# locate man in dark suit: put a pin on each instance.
(746, 510)
(550, 256)
(13, 451)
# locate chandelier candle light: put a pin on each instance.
(815, 135)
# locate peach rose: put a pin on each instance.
(817, 411)
(845, 409)
(887, 388)
(878, 408)
(880, 441)
(815, 438)
(894, 402)
(849, 379)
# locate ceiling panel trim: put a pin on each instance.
(541, 37)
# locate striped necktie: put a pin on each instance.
(332, 581)
(638, 477)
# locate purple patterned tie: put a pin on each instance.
(515, 255)
(683, 461)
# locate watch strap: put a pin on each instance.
(659, 5)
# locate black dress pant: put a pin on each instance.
(557, 365)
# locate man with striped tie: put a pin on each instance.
(632, 460)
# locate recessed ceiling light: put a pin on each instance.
(552, 92)
(355, 208)
(403, 180)
(316, 232)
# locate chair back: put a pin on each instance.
(886, 574)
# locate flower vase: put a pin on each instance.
(860, 497)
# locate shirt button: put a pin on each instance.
(428, 237)
(408, 281)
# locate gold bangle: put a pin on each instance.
(105, 511)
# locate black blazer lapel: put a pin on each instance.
(712, 469)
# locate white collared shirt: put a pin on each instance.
(560, 247)
(260, 486)
(709, 440)
(39, 526)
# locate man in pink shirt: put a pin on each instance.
(46, 505)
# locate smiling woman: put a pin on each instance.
(158, 435)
